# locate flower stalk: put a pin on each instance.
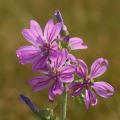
(63, 105)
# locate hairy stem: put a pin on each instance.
(63, 105)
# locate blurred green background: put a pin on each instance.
(96, 21)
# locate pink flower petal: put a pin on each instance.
(81, 68)
(67, 78)
(61, 58)
(55, 32)
(27, 33)
(36, 28)
(76, 43)
(51, 95)
(103, 89)
(71, 58)
(98, 67)
(54, 50)
(39, 83)
(37, 31)
(40, 63)
(90, 98)
(52, 31)
(75, 88)
(70, 69)
(28, 54)
(48, 28)
(58, 88)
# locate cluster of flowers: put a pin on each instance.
(49, 53)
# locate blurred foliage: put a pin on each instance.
(96, 21)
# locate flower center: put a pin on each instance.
(56, 72)
(87, 82)
(46, 50)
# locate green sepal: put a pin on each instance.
(63, 44)
(80, 99)
(46, 114)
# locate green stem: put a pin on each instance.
(63, 105)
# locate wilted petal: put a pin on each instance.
(28, 54)
(81, 68)
(76, 43)
(99, 67)
(40, 63)
(103, 89)
(39, 83)
(90, 98)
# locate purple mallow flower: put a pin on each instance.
(59, 72)
(43, 48)
(87, 86)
